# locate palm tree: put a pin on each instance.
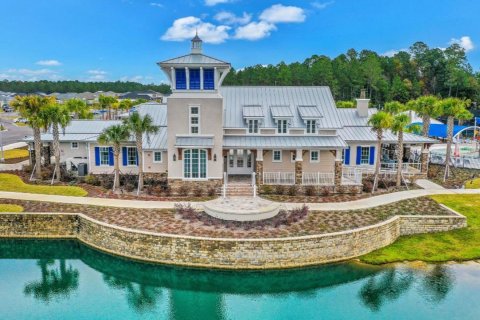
(140, 126)
(56, 116)
(452, 108)
(380, 122)
(107, 102)
(114, 136)
(29, 107)
(400, 121)
(427, 108)
(79, 108)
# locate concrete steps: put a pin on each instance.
(239, 190)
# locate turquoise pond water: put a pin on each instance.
(66, 280)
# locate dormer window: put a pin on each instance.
(282, 126)
(311, 126)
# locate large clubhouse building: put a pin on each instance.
(208, 132)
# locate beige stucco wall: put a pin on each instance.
(67, 152)
(235, 131)
(108, 169)
(211, 123)
(285, 166)
(156, 167)
(326, 164)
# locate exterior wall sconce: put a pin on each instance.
(174, 157)
(215, 157)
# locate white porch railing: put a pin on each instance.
(351, 175)
(318, 179)
(407, 167)
(285, 178)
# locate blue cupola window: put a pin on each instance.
(194, 79)
(180, 79)
(208, 79)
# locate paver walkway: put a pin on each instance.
(375, 201)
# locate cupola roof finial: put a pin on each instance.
(196, 43)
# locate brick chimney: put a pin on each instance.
(362, 104)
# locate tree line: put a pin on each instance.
(406, 75)
(78, 86)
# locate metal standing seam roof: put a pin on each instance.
(349, 116)
(236, 97)
(281, 112)
(158, 112)
(365, 134)
(284, 142)
(194, 58)
(194, 142)
(252, 112)
(309, 112)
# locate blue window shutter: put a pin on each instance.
(110, 156)
(180, 79)
(372, 155)
(347, 156)
(359, 155)
(97, 156)
(136, 160)
(194, 79)
(208, 79)
(124, 156)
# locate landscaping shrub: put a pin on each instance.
(183, 190)
(211, 192)
(129, 187)
(367, 186)
(292, 190)
(266, 189)
(198, 191)
(326, 191)
(341, 189)
(167, 191)
(310, 191)
(279, 189)
(92, 180)
(186, 211)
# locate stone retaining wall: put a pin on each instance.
(222, 253)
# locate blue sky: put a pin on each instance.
(122, 39)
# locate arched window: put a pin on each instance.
(195, 164)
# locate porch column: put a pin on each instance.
(187, 75)
(298, 166)
(201, 78)
(338, 170)
(424, 158)
(259, 166)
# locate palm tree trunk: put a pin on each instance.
(399, 158)
(56, 151)
(450, 123)
(116, 154)
(37, 138)
(378, 159)
(138, 140)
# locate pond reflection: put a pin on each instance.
(64, 271)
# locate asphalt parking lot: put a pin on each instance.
(14, 133)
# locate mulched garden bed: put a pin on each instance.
(458, 176)
(167, 221)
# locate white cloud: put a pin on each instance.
(321, 5)
(49, 63)
(465, 42)
(185, 28)
(254, 30)
(138, 78)
(212, 3)
(279, 13)
(392, 52)
(97, 75)
(156, 4)
(30, 74)
(230, 18)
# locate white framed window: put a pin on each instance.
(104, 156)
(277, 156)
(131, 156)
(311, 126)
(282, 126)
(194, 119)
(293, 156)
(365, 155)
(253, 126)
(343, 156)
(74, 145)
(195, 164)
(157, 157)
(314, 156)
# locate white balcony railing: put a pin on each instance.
(318, 179)
(284, 178)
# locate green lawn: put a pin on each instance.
(473, 184)
(15, 153)
(458, 245)
(10, 208)
(11, 182)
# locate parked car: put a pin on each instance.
(20, 120)
(7, 108)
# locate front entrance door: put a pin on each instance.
(240, 162)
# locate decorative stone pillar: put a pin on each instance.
(424, 159)
(338, 169)
(298, 166)
(259, 167)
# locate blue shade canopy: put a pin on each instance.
(440, 130)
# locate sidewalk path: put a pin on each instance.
(431, 189)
